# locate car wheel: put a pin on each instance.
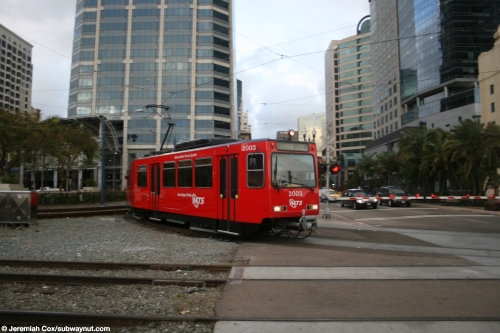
(408, 204)
(374, 206)
(354, 206)
(389, 203)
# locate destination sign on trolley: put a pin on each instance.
(295, 146)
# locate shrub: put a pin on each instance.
(75, 198)
(10, 179)
(492, 205)
(91, 183)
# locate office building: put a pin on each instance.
(16, 72)
(489, 83)
(424, 55)
(349, 116)
(128, 54)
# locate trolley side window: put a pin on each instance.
(185, 174)
(203, 172)
(169, 174)
(142, 176)
(255, 170)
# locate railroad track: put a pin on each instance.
(17, 317)
(53, 213)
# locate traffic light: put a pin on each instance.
(335, 168)
(322, 168)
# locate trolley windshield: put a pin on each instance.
(293, 170)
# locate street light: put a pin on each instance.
(304, 133)
(168, 119)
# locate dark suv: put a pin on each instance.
(397, 192)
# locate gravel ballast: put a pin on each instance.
(114, 239)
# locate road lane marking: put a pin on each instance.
(419, 216)
(476, 221)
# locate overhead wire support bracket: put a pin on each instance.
(168, 119)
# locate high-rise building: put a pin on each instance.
(424, 55)
(489, 83)
(128, 54)
(349, 117)
(16, 72)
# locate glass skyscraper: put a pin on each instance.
(349, 116)
(425, 67)
(131, 53)
(440, 42)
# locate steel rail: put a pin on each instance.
(114, 265)
(93, 211)
(106, 280)
(14, 317)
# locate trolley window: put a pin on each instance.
(185, 174)
(293, 170)
(203, 172)
(142, 176)
(255, 170)
(169, 174)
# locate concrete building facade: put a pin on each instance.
(16, 72)
(489, 83)
(349, 115)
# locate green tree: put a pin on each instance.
(474, 149)
(387, 166)
(410, 156)
(435, 161)
(366, 168)
(15, 142)
(71, 147)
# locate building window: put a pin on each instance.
(492, 89)
(492, 107)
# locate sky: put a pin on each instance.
(279, 53)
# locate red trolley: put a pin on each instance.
(230, 186)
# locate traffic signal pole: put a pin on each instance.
(326, 213)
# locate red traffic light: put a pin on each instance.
(335, 168)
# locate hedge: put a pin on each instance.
(75, 198)
(492, 205)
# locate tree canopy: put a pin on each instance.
(47, 144)
(466, 159)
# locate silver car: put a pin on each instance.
(357, 199)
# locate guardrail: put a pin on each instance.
(432, 197)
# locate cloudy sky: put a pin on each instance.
(279, 53)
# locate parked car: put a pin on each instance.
(357, 198)
(386, 191)
(329, 195)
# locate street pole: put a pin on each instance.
(103, 157)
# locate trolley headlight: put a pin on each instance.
(279, 208)
(359, 201)
(375, 200)
(312, 207)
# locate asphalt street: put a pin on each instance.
(424, 268)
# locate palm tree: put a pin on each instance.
(410, 156)
(475, 150)
(366, 167)
(387, 165)
(434, 158)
